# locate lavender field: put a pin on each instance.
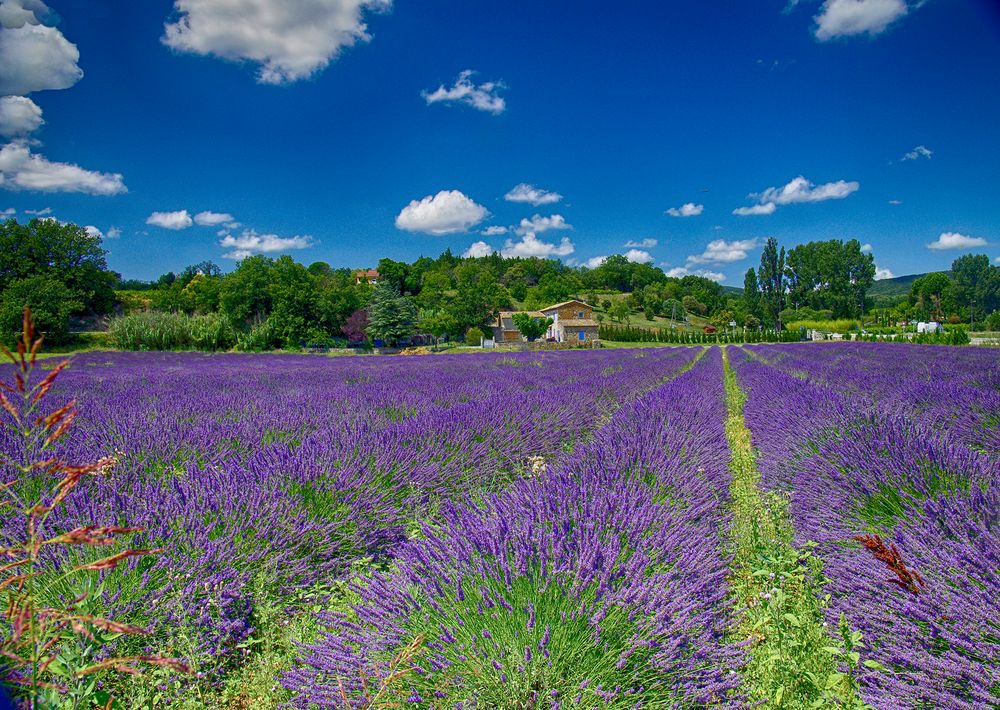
(769, 525)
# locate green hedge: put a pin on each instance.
(629, 334)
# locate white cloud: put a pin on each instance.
(688, 209)
(9, 212)
(866, 248)
(679, 272)
(39, 213)
(15, 14)
(289, 41)
(648, 243)
(895, 202)
(801, 190)
(954, 240)
(19, 116)
(719, 251)
(250, 242)
(113, 233)
(494, 231)
(538, 224)
(478, 249)
(531, 245)
(766, 208)
(594, 261)
(214, 219)
(180, 219)
(483, 97)
(921, 151)
(447, 212)
(882, 274)
(535, 196)
(93, 231)
(638, 256)
(35, 58)
(844, 18)
(20, 169)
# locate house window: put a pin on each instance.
(580, 315)
(583, 335)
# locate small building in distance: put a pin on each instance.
(369, 276)
(572, 321)
(505, 330)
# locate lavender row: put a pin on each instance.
(927, 609)
(947, 389)
(287, 470)
(599, 581)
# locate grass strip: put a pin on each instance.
(794, 660)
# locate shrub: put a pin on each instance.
(474, 337)
(153, 330)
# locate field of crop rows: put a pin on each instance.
(786, 525)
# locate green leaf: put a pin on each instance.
(792, 619)
(834, 679)
(874, 665)
(779, 695)
(833, 649)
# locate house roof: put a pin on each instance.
(579, 323)
(566, 303)
(370, 273)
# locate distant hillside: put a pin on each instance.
(899, 286)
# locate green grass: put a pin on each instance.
(794, 661)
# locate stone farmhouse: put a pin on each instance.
(572, 321)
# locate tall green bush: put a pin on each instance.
(153, 330)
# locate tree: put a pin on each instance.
(751, 293)
(929, 294)
(531, 327)
(619, 311)
(66, 253)
(977, 283)
(245, 295)
(771, 277)
(355, 326)
(51, 303)
(438, 323)
(390, 316)
(831, 275)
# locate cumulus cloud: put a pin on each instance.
(866, 248)
(648, 243)
(882, 274)
(180, 219)
(9, 212)
(478, 249)
(482, 97)
(20, 169)
(289, 41)
(638, 256)
(538, 224)
(954, 240)
(921, 151)
(447, 212)
(688, 209)
(679, 272)
(214, 219)
(494, 230)
(93, 231)
(113, 233)
(801, 190)
(36, 58)
(594, 261)
(845, 18)
(250, 242)
(531, 245)
(766, 208)
(19, 116)
(719, 251)
(525, 192)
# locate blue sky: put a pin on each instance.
(349, 130)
